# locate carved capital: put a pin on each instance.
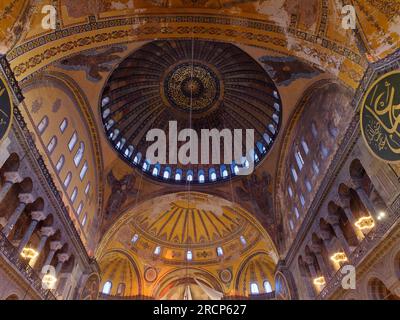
(332, 219)
(47, 231)
(316, 248)
(63, 257)
(325, 234)
(13, 177)
(38, 215)
(26, 198)
(55, 245)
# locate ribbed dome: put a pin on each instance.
(198, 84)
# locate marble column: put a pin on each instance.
(62, 258)
(345, 204)
(366, 201)
(37, 216)
(45, 233)
(334, 222)
(54, 246)
(24, 199)
(317, 250)
(12, 177)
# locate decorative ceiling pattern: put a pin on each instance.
(198, 84)
(189, 235)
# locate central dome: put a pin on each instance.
(192, 87)
(195, 84)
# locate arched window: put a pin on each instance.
(87, 188)
(333, 131)
(135, 238)
(305, 146)
(80, 207)
(275, 117)
(189, 255)
(67, 179)
(72, 141)
(146, 165)
(261, 147)
(84, 220)
(64, 125)
(296, 213)
(290, 191)
(315, 167)
(294, 173)
(52, 144)
(43, 124)
(267, 138)
(299, 160)
(224, 172)
(79, 154)
(114, 134)
(267, 287)
(302, 200)
(243, 240)
(212, 174)
(324, 150)
(275, 93)
(105, 101)
(308, 185)
(234, 168)
(314, 129)
(157, 250)
(106, 113)
(167, 173)
(83, 170)
(291, 224)
(220, 252)
(128, 152)
(272, 129)
(109, 124)
(137, 158)
(60, 163)
(201, 176)
(178, 175)
(107, 287)
(120, 144)
(254, 288)
(189, 175)
(156, 170)
(74, 194)
(277, 107)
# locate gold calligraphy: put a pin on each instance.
(380, 117)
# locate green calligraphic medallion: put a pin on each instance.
(380, 117)
(6, 108)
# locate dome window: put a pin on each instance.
(220, 252)
(43, 124)
(243, 240)
(64, 125)
(107, 288)
(189, 256)
(105, 101)
(106, 113)
(254, 288)
(267, 287)
(157, 251)
(135, 238)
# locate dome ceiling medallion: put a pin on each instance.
(199, 85)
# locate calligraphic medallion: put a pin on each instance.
(380, 117)
(6, 108)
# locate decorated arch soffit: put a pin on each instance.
(192, 221)
(309, 30)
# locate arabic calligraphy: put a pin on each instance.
(380, 117)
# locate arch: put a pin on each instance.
(377, 290)
(12, 297)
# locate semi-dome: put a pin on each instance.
(198, 84)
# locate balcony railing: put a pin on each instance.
(30, 275)
(371, 240)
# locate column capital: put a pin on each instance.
(47, 231)
(26, 198)
(55, 245)
(13, 177)
(63, 257)
(332, 219)
(316, 248)
(325, 234)
(38, 215)
(309, 260)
